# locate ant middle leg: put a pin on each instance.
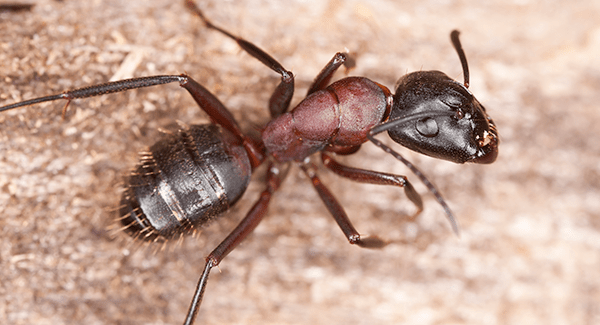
(282, 96)
(338, 213)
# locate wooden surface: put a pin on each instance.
(530, 246)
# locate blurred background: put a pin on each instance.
(529, 250)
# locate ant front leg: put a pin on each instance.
(373, 177)
(282, 96)
(338, 213)
(324, 77)
(274, 178)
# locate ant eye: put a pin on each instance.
(427, 127)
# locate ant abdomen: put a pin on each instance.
(184, 181)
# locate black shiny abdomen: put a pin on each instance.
(186, 180)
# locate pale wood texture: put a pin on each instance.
(530, 246)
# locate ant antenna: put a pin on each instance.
(391, 124)
(461, 55)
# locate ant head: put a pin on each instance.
(439, 117)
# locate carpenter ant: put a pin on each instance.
(193, 176)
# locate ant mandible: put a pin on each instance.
(191, 177)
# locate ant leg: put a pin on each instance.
(219, 114)
(205, 99)
(324, 77)
(281, 97)
(373, 177)
(15, 7)
(243, 229)
(102, 89)
(338, 213)
(343, 150)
